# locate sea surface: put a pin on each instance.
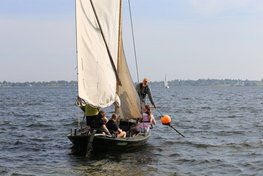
(222, 125)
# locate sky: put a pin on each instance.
(183, 39)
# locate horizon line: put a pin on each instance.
(200, 79)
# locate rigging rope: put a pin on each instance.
(134, 47)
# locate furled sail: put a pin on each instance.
(96, 76)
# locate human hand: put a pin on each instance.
(108, 133)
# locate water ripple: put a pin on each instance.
(222, 125)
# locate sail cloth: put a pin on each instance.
(130, 101)
(97, 85)
(96, 76)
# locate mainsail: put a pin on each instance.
(96, 77)
(97, 85)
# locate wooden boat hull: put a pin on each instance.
(104, 143)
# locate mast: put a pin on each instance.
(117, 109)
(76, 40)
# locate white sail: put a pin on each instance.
(96, 76)
(97, 84)
(166, 82)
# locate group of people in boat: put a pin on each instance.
(97, 119)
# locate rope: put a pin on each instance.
(134, 47)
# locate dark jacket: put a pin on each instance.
(112, 126)
(143, 91)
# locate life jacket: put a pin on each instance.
(145, 118)
(144, 126)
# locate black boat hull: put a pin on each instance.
(82, 143)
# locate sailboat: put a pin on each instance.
(103, 75)
(166, 83)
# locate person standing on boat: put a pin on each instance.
(91, 114)
(143, 89)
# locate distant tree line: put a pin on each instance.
(38, 83)
(215, 82)
(199, 82)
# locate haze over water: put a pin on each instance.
(222, 124)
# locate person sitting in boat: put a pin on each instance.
(114, 128)
(143, 89)
(100, 123)
(147, 120)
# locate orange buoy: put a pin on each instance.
(166, 120)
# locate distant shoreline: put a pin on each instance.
(199, 82)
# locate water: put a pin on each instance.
(223, 129)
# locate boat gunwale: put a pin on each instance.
(136, 138)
